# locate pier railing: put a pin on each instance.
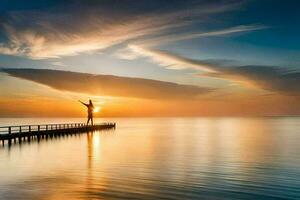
(44, 127)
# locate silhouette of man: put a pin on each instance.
(90, 109)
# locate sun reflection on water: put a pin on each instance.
(159, 158)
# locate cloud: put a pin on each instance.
(166, 59)
(271, 78)
(84, 28)
(108, 85)
(137, 49)
(59, 64)
(187, 36)
(52, 44)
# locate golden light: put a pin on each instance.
(96, 109)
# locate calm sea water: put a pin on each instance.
(158, 158)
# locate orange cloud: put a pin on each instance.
(166, 101)
(108, 85)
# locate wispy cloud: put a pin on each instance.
(141, 48)
(37, 45)
(271, 78)
(59, 64)
(70, 31)
(137, 48)
(165, 59)
(188, 36)
(107, 85)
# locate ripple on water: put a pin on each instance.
(187, 158)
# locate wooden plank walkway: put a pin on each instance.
(29, 132)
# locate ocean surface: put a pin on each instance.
(158, 158)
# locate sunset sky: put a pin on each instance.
(149, 57)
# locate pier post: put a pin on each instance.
(20, 137)
(9, 139)
(29, 135)
(39, 133)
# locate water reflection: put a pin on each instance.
(170, 158)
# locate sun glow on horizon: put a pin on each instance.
(97, 109)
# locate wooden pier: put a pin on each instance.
(21, 133)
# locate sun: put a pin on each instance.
(97, 109)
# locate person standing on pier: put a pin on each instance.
(90, 110)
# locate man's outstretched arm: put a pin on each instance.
(83, 103)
